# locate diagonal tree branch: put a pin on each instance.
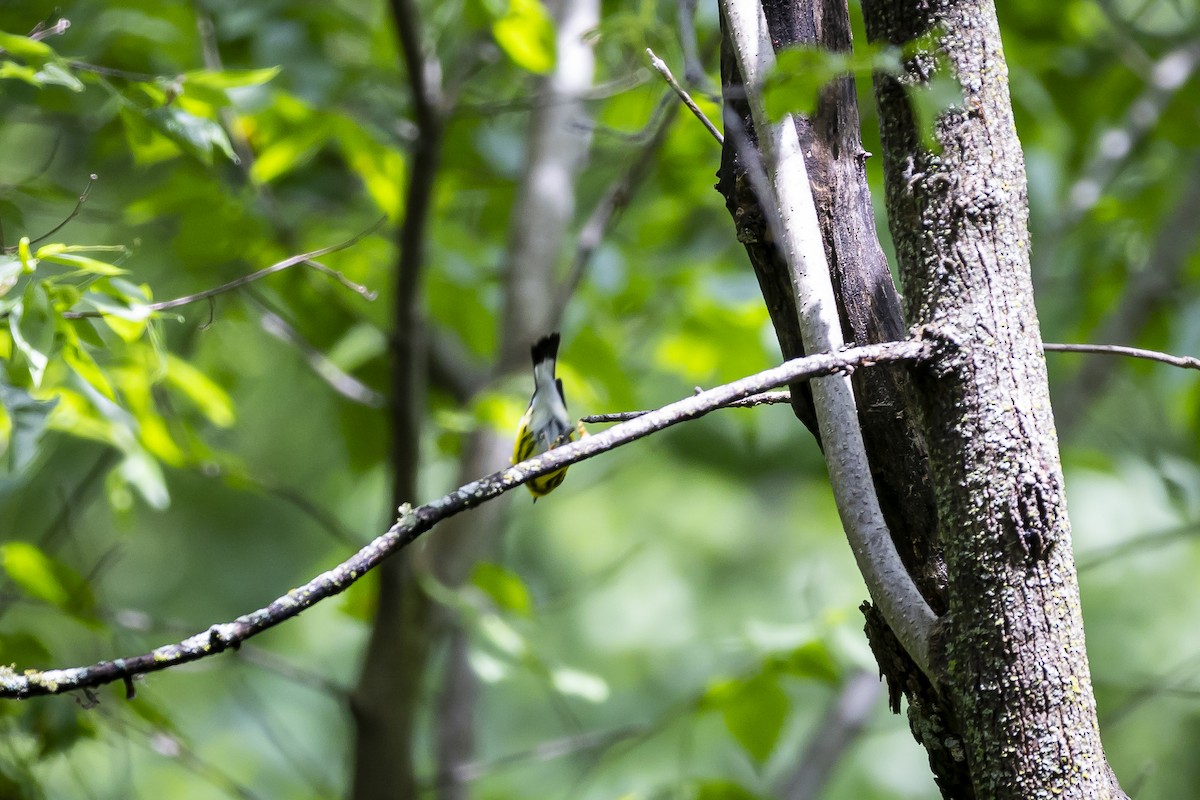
(1167, 77)
(760, 399)
(414, 522)
(661, 67)
(616, 198)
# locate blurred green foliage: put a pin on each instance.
(678, 615)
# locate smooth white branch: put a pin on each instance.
(890, 585)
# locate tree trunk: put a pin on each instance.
(1015, 666)
(393, 666)
(1009, 712)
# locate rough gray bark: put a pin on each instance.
(1015, 666)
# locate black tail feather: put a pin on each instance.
(546, 348)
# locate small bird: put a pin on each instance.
(545, 424)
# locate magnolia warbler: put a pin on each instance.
(545, 424)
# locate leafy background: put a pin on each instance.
(682, 611)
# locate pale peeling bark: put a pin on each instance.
(1014, 666)
(868, 303)
(799, 238)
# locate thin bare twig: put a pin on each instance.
(334, 376)
(1121, 550)
(550, 750)
(1186, 362)
(311, 679)
(357, 288)
(546, 99)
(771, 398)
(413, 522)
(665, 71)
(280, 266)
(83, 196)
(121, 74)
(616, 198)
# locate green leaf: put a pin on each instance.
(122, 311)
(230, 79)
(68, 256)
(381, 168)
(754, 711)
(82, 363)
(20, 72)
(129, 331)
(106, 304)
(45, 578)
(26, 48)
(526, 34)
(812, 660)
(198, 135)
(282, 155)
(148, 145)
(89, 415)
(55, 74)
(162, 133)
(24, 422)
(143, 473)
(31, 323)
(211, 400)
(505, 588)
